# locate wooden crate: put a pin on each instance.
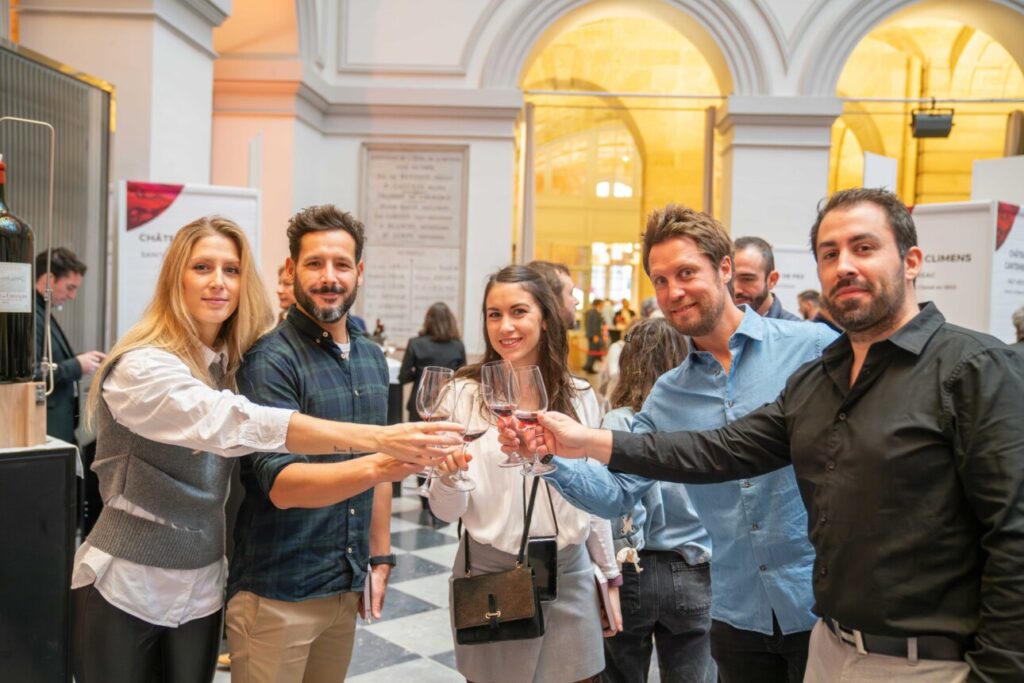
(23, 414)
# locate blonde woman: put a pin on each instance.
(148, 582)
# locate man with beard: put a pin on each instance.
(306, 542)
(908, 447)
(760, 617)
(756, 277)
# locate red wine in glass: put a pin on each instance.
(503, 409)
(470, 437)
(527, 418)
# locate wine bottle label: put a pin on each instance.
(15, 287)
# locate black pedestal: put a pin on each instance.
(37, 545)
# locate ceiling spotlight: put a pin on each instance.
(931, 123)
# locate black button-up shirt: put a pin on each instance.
(912, 480)
(300, 553)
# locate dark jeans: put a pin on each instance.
(111, 646)
(751, 656)
(668, 602)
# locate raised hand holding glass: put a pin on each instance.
(434, 383)
(501, 392)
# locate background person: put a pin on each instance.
(438, 344)
(559, 279)
(756, 277)
(65, 276)
(523, 325)
(65, 279)
(594, 327)
(812, 310)
(285, 292)
(148, 582)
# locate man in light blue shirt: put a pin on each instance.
(761, 573)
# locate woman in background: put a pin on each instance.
(148, 582)
(438, 344)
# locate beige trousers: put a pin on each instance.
(830, 660)
(273, 641)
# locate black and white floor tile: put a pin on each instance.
(413, 642)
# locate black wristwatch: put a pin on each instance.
(383, 559)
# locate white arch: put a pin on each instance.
(838, 35)
(715, 28)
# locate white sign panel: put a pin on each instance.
(999, 179)
(150, 214)
(879, 171)
(414, 208)
(957, 240)
(797, 272)
(1007, 271)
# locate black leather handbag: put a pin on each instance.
(490, 608)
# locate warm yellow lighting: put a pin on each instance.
(913, 57)
(602, 164)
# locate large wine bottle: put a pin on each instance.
(17, 302)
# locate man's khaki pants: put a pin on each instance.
(273, 641)
(830, 660)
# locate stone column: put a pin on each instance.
(775, 164)
(158, 55)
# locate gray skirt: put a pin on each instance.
(571, 648)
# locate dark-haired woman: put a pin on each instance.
(522, 325)
(439, 344)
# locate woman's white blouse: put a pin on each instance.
(493, 512)
(152, 392)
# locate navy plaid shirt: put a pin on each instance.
(298, 554)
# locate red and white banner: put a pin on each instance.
(149, 216)
(974, 263)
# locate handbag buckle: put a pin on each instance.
(492, 615)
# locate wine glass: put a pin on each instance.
(429, 404)
(501, 394)
(469, 412)
(533, 400)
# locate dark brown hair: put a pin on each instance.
(652, 348)
(62, 262)
(676, 221)
(900, 222)
(321, 218)
(549, 270)
(439, 324)
(553, 358)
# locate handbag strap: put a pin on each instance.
(520, 558)
(551, 506)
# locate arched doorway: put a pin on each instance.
(924, 54)
(621, 112)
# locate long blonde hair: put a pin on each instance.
(167, 323)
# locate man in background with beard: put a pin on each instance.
(756, 277)
(306, 543)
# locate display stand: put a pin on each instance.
(37, 545)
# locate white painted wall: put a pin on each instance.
(158, 57)
(181, 108)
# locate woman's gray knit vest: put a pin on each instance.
(186, 488)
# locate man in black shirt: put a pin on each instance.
(908, 447)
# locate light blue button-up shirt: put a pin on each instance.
(763, 559)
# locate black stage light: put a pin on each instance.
(931, 123)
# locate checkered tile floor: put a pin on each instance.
(413, 641)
